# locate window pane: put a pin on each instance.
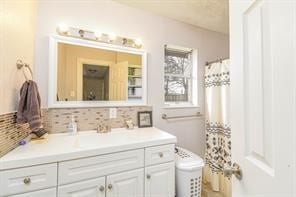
(176, 89)
(178, 64)
(178, 74)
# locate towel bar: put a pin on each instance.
(166, 117)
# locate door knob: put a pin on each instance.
(148, 176)
(234, 170)
(102, 188)
(110, 186)
(27, 181)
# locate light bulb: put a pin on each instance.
(98, 34)
(138, 42)
(112, 36)
(63, 28)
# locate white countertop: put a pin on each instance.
(61, 147)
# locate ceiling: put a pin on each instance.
(208, 14)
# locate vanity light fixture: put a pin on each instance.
(112, 37)
(138, 42)
(124, 41)
(98, 36)
(63, 29)
(81, 33)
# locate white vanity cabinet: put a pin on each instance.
(141, 166)
(154, 177)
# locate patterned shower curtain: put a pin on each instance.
(218, 144)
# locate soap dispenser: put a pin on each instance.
(72, 127)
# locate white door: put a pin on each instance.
(89, 188)
(262, 55)
(118, 81)
(126, 184)
(160, 180)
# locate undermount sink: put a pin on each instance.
(92, 138)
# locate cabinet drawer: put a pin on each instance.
(40, 193)
(159, 154)
(28, 179)
(94, 167)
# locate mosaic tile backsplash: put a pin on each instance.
(11, 132)
(57, 120)
(89, 118)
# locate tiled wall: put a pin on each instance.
(10, 132)
(56, 121)
(89, 118)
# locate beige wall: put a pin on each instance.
(155, 31)
(131, 58)
(17, 31)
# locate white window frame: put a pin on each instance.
(193, 94)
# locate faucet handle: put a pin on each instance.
(129, 124)
(100, 129)
(103, 129)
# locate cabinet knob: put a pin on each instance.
(102, 188)
(160, 154)
(27, 181)
(110, 186)
(148, 176)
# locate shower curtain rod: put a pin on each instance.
(217, 60)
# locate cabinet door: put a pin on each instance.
(90, 188)
(160, 180)
(126, 184)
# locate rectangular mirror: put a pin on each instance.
(87, 73)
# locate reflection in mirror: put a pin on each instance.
(92, 74)
(95, 82)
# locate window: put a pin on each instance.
(180, 86)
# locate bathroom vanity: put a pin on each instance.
(129, 163)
